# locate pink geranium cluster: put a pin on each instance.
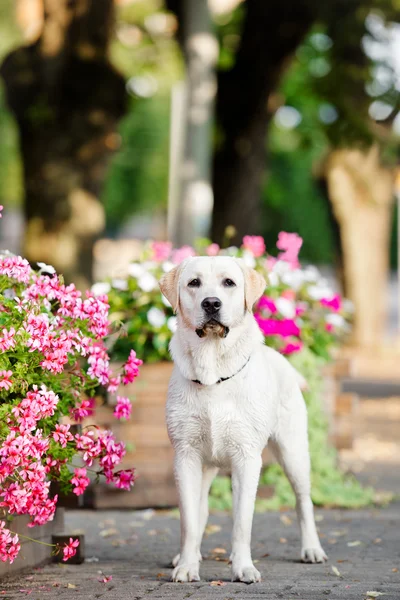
(53, 358)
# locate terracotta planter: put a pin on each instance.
(33, 554)
(150, 451)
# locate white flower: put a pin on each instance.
(147, 282)
(281, 267)
(249, 259)
(286, 307)
(319, 291)
(172, 324)
(46, 268)
(294, 278)
(135, 270)
(9, 293)
(336, 320)
(273, 279)
(120, 284)
(165, 301)
(311, 274)
(167, 266)
(156, 317)
(100, 288)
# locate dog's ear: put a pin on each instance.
(254, 285)
(169, 286)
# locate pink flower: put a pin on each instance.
(105, 579)
(16, 268)
(131, 368)
(160, 251)
(69, 549)
(80, 481)
(1, 210)
(124, 480)
(180, 254)
(5, 381)
(283, 328)
(266, 303)
(62, 435)
(329, 327)
(83, 410)
(123, 408)
(212, 250)
(335, 303)
(9, 546)
(291, 348)
(7, 341)
(254, 244)
(113, 384)
(290, 243)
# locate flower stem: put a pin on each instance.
(26, 537)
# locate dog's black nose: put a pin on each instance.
(211, 305)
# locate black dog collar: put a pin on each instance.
(221, 379)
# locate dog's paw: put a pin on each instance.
(177, 558)
(186, 572)
(313, 555)
(246, 574)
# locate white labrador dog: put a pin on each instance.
(228, 396)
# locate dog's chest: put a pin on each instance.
(222, 426)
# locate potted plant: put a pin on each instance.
(300, 315)
(53, 359)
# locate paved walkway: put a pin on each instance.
(136, 547)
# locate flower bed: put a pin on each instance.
(53, 360)
(299, 314)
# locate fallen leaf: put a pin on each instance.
(336, 571)
(342, 561)
(256, 561)
(377, 540)
(105, 579)
(105, 533)
(395, 570)
(210, 529)
(117, 543)
(136, 524)
(107, 523)
(338, 532)
(332, 541)
(160, 575)
(265, 555)
(374, 594)
(218, 583)
(29, 578)
(319, 518)
(218, 551)
(283, 540)
(71, 586)
(91, 559)
(355, 543)
(148, 514)
(286, 520)
(56, 584)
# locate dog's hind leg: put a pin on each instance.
(209, 474)
(291, 450)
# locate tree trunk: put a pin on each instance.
(67, 100)
(361, 192)
(271, 33)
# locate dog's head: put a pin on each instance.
(212, 294)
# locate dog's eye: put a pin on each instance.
(194, 283)
(229, 283)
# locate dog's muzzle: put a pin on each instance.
(214, 327)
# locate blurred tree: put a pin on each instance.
(267, 34)
(67, 100)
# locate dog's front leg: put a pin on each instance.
(245, 476)
(188, 476)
